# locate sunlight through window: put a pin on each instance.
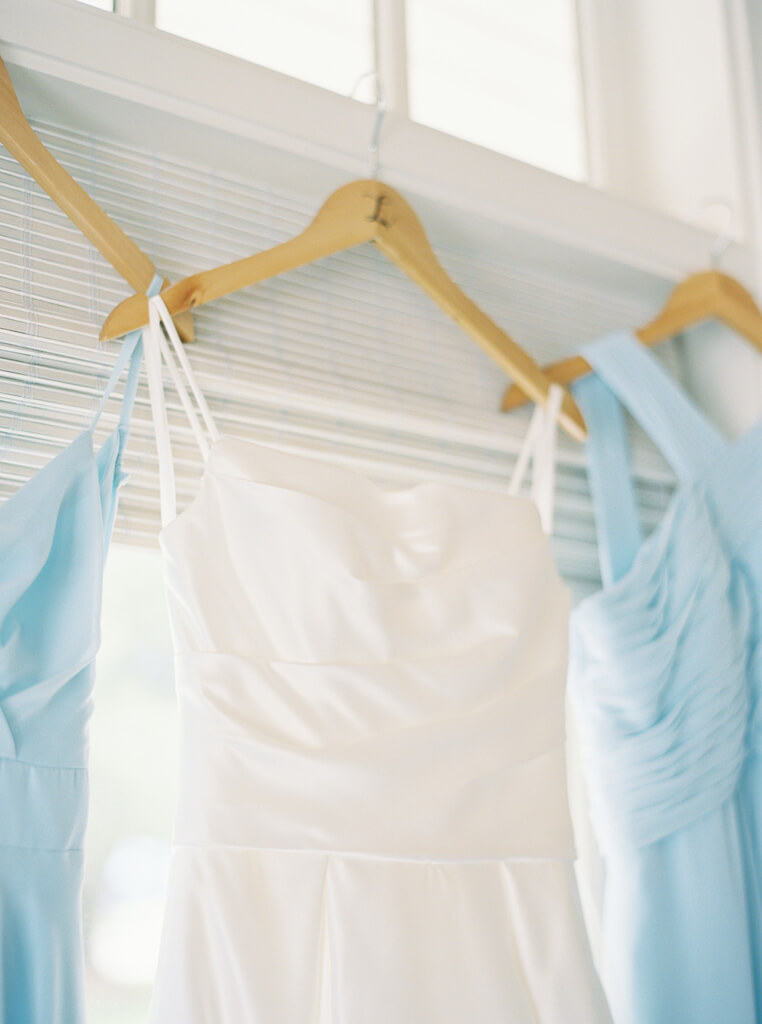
(326, 42)
(500, 73)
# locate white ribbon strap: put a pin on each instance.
(157, 351)
(540, 446)
(152, 352)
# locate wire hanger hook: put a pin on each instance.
(722, 242)
(380, 111)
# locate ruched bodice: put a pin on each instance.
(675, 747)
(665, 680)
(373, 821)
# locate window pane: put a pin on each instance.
(326, 42)
(104, 5)
(501, 73)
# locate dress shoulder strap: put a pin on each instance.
(158, 354)
(625, 370)
(130, 352)
(608, 469)
(687, 439)
(540, 447)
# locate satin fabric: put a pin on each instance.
(665, 681)
(373, 822)
(54, 533)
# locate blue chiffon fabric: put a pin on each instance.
(54, 533)
(665, 682)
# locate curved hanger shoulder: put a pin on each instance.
(20, 139)
(702, 296)
(344, 220)
(362, 211)
(402, 238)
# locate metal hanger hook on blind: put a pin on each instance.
(721, 243)
(380, 111)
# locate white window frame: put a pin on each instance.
(599, 127)
(112, 75)
(134, 83)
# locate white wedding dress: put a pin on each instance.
(372, 824)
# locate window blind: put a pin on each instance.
(344, 360)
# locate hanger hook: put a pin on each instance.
(380, 111)
(721, 243)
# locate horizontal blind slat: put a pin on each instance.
(344, 360)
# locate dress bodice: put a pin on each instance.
(384, 668)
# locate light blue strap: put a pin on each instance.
(677, 427)
(131, 351)
(611, 488)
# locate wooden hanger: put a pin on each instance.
(21, 140)
(362, 211)
(703, 296)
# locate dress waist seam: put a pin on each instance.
(365, 855)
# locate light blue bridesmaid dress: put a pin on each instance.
(665, 682)
(54, 533)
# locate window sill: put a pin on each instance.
(77, 66)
